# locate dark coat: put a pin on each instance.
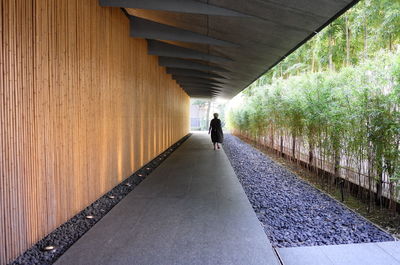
(217, 136)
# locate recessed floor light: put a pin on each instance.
(128, 184)
(111, 196)
(140, 175)
(49, 248)
(148, 168)
(89, 217)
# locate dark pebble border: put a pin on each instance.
(68, 233)
(292, 212)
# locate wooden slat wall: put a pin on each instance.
(82, 106)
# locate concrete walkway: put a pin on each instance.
(190, 210)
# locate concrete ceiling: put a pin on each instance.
(231, 42)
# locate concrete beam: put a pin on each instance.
(187, 64)
(189, 89)
(194, 73)
(182, 6)
(196, 80)
(201, 93)
(199, 85)
(147, 29)
(160, 48)
(201, 88)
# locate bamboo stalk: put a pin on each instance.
(82, 106)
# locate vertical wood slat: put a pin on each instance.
(2, 141)
(82, 106)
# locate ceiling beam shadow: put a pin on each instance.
(147, 29)
(207, 93)
(199, 85)
(160, 48)
(187, 64)
(201, 88)
(196, 80)
(200, 91)
(194, 73)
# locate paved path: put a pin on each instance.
(190, 210)
(384, 253)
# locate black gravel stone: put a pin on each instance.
(68, 233)
(292, 212)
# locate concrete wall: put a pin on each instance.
(82, 106)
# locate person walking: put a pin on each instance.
(217, 136)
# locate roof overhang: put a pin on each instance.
(229, 43)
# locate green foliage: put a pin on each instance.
(370, 26)
(355, 110)
(340, 91)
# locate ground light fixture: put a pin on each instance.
(89, 217)
(111, 196)
(128, 184)
(49, 248)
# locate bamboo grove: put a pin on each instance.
(336, 100)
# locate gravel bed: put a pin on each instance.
(292, 212)
(68, 233)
